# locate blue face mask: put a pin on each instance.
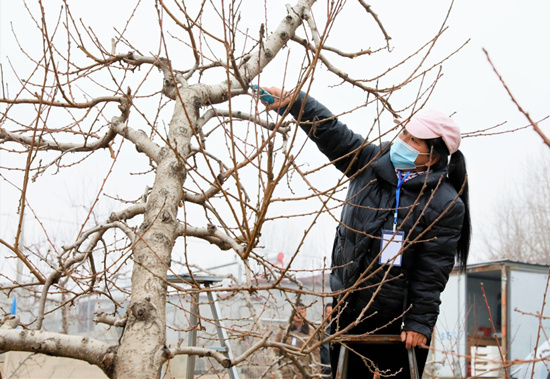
(402, 155)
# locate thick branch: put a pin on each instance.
(42, 144)
(84, 105)
(255, 63)
(200, 352)
(222, 359)
(212, 235)
(60, 345)
(104, 318)
(138, 137)
(128, 213)
(201, 199)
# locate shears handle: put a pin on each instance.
(265, 96)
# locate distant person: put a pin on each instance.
(404, 223)
(298, 334)
(325, 348)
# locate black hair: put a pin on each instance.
(458, 176)
(304, 328)
(328, 305)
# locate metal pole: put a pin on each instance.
(342, 367)
(504, 311)
(413, 368)
(222, 333)
(193, 335)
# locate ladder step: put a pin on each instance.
(221, 349)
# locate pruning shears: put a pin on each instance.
(265, 96)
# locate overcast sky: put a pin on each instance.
(516, 35)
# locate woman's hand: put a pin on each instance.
(413, 339)
(282, 99)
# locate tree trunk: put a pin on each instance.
(141, 353)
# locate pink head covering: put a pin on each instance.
(433, 124)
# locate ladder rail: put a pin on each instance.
(223, 337)
(193, 320)
(222, 333)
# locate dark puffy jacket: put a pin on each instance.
(430, 213)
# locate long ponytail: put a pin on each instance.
(458, 177)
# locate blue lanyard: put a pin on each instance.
(400, 181)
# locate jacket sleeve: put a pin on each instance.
(433, 262)
(343, 147)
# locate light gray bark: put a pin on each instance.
(143, 351)
(61, 345)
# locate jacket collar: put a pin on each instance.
(384, 170)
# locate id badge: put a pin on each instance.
(391, 245)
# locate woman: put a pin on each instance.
(298, 334)
(404, 223)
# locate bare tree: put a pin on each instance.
(521, 219)
(173, 82)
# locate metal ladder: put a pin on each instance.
(342, 368)
(205, 281)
